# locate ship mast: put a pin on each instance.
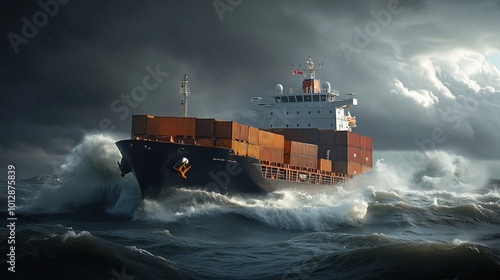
(185, 93)
(308, 71)
(310, 84)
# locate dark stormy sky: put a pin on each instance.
(420, 69)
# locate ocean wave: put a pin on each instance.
(288, 209)
(391, 258)
(95, 156)
(89, 179)
(73, 234)
(54, 256)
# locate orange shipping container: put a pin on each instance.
(253, 135)
(207, 142)
(349, 168)
(299, 148)
(227, 130)
(244, 132)
(366, 158)
(253, 151)
(348, 153)
(271, 154)
(366, 143)
(239, 148)
(324, 164)
(347, 138)
(171, 126)
(205, 128)
(270, 139)
(139, 124)
(301, 160)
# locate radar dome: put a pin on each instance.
(326, 87)
(279, 88)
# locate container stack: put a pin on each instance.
(304, 135)
(228, 134)
(205, 132)
(327, 150)
(324, 164)
(164, 128)
(366, 153)
(349, 153)
(271, 146)
(301, 154)
(253, 142)
(353, 153)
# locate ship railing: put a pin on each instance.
(286, 172)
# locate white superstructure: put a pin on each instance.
(313, 106)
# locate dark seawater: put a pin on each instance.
(86, 222)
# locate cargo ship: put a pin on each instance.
(305, 143)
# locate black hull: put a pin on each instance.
(159, 166)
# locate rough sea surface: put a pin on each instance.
(86, 222)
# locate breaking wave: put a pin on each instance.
(88, 179)
(287, 209)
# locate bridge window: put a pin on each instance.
(299, 98)
(291, 99)
(315, 97)
(284, 99)
(307, 98)
(323, 97)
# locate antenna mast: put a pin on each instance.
(185, 93)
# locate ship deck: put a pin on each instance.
(281, 171)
